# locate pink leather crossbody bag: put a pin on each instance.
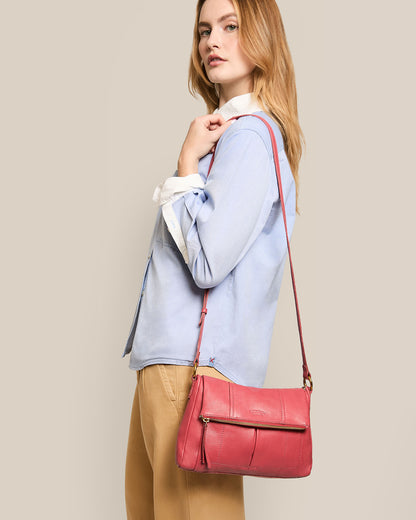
(237, 429)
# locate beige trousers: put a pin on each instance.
(155, 488)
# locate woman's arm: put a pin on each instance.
(220, 221)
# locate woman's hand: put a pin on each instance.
(202, 135)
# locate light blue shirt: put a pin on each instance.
(226, 233)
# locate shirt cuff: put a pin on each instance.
(174, 187)
(165, 194)
(175, 230)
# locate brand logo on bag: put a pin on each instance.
(258, 412)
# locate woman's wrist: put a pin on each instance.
(187, 165)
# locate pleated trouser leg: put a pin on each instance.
(155, 488)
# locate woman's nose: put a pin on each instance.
(213, 39)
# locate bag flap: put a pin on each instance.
(286, 408)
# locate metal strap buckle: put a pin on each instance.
(310, 385)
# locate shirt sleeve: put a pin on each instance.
(221, 220)
(174, 186)
(165, 194)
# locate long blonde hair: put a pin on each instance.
(263, 39)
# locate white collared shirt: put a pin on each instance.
(174, 187)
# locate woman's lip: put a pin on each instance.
(216, 62)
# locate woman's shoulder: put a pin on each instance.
(248, 122)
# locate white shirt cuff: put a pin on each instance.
(174, 187)
(165, 194)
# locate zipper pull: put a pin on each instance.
(205, 421)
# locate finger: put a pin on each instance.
(215, 119)
(224, 127)
(227, 124)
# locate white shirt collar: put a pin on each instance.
(242, 104)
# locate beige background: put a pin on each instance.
(94, 110)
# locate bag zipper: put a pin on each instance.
(206, 420)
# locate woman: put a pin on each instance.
(224, 232)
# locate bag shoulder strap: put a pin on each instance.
(306, 373)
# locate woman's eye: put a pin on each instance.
(205, 32)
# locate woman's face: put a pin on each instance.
(219, 35)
